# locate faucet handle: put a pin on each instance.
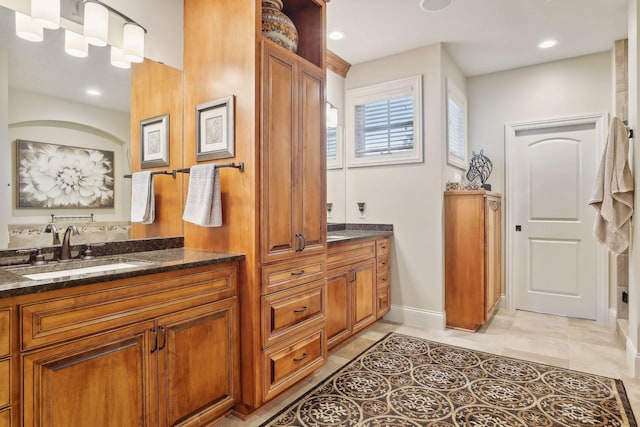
(88, 250)
(36, 257)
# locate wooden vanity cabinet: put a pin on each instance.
(5, 367)
(156, 350)
(473, 271)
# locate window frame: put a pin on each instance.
(459, 98)
(379, 92)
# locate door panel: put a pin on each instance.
(364, 295)
(338, 313)
(554, 255)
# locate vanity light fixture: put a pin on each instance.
(46, 13)
(332, 116)
(133, 42)
(118, 59)
(96, 24)
(75, 44)
(27, 29)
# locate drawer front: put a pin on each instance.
(86, 313)
(383, 263)
(285, 364)
(384, 302)
(384, 278)
(341, 254)
(5, 383)
(5, 418)
(285, 275)
(383, 246)
(5, 332)
(286, 313)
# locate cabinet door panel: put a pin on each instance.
(5, 418)
(198, 362)
(364, 295)
(493, 256)
(106, 379)
(312, 145)
(338, 307)
(5, 337)
(279, 154)
(5, 382)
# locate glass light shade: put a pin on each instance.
(332, 116)
(46, 13)
(118, 59)
(27, 29)
(96, 24)
(133, 42)
(75, 44)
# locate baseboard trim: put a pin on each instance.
(613, 317)
(416, 317)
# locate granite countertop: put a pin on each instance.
(156, 261)
(340, 233)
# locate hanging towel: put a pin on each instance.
(203, 205)
(613, 191)
(143, 207)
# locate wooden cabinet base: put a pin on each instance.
(5, 418)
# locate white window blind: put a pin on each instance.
(456, 127)
(332, 144)
(385, 122)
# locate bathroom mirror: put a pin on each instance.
(45, 93)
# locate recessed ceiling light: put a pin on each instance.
(94, 92)
(546, 44)
(431, 5)
(336, 35)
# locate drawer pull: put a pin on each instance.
(301, 310)
(301, 358)
(297, 273)
(155, 340)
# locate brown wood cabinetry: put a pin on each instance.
(5, 368)
(357, 287)
(154, 350)
(473, 275)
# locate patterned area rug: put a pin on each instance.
(408, 381)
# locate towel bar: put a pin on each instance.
(239, 166)
(153, 173)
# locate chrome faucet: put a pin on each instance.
(51, 228)
(65, 250)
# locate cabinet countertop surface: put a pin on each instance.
(158, 261)
(341, 236)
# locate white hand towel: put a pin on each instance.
(143, 207)
(203, 206)
(613, 191)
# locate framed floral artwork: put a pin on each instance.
(61, 176)
(154, 141)
(215, 131)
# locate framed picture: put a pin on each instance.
(61, 176)
(154, 142)
(214, 132)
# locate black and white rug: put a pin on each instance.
(408, 381)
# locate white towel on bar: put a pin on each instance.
(613, 191)
(143, 206)
(203, 206)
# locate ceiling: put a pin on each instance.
(481, 36)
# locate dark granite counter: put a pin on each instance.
(157, 261)
(339, 233)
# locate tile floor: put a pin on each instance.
(577, 344)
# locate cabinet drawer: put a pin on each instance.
(285, 275)
(287, 363)
(125, 302)
(5, 418)
(5, 383)
(341, 254)
(384, 301)
(384, 279)
(285, 313)
(383, 246)
(5, 332)
(383, 263)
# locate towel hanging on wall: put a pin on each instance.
(613, 191)
(143, 207)
(204, 206)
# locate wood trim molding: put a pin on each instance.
(337, 64)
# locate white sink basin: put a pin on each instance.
(78, 271)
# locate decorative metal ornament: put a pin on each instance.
(480, 168)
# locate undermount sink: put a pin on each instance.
(78, 268)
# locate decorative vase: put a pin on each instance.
(277, 26)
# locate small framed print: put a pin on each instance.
(154, 141)
(214, 129)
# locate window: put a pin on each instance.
(385, 122)
(456, 126)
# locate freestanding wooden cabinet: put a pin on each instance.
(473, 278)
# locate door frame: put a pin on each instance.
(602, 262)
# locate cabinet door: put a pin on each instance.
(364, 294)
(279, 153)
(493, 256)
(198, 364)
(312, 159)
(106, 381)
(338, 313)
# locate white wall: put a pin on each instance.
(5, 161)
(409, 196)
(336, 177)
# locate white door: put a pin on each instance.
(553, 252)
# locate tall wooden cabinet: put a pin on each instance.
(473, 269)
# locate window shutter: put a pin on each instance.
(332, 144)
(384, 127)
(456, 127)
